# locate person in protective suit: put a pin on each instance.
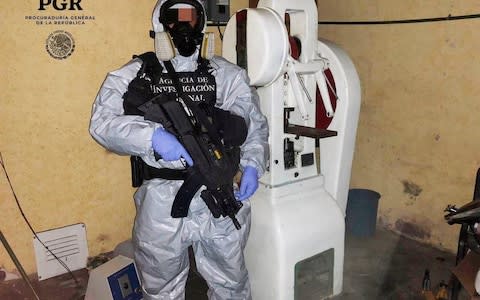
(161, 241)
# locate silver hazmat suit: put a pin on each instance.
(160, 241)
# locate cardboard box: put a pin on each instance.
(466, 271)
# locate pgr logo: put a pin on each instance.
(60, 44)
(60, 4)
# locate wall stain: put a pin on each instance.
(413, 230)
(103, 238)
(412, 189)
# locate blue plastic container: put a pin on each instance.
(361, 214)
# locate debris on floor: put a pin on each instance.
(6, 275)
(96, 261)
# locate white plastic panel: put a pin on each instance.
(116, 279)
(291, 223)
(267, 49)
(69, 244)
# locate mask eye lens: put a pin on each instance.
(171, 16)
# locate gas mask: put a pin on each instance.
(184, 21)
(185, 38)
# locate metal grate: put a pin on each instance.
(69, 244)
(62, 247)
(314, 277)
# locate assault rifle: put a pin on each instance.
(212, 167)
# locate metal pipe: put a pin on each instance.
(17, 264)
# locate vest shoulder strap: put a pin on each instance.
(151, 66)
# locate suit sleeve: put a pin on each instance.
(119, 133)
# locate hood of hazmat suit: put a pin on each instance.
(180, 22)
(160, 241)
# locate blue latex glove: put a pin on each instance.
(168, 146)
(248, 184)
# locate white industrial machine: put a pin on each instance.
(296, 244)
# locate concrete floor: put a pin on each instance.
(388, 266)
(385, 266)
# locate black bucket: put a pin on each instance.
(361, 214)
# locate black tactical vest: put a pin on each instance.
(199, 86)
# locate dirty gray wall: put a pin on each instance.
(417, 140)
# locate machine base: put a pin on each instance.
(296, 245)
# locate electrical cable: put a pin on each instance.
(220, 32)
(406, 21)
(387, 22)
(218, 24)
(2, 163)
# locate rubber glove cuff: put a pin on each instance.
(248, 183)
